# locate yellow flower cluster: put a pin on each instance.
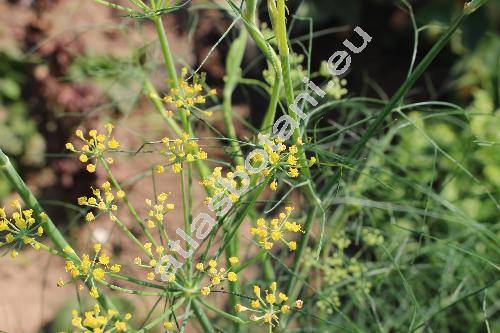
(153, 261)
(158, 210)
(217, 275)
(280, 158)
(220, 186)
(274, 231)
(97, 322)
(20, 228)
(266, 309)
(104, 201)
(178, 151)
(95, 268)
(94, 146)
(188, 97)
(284, 159)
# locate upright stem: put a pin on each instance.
(233, 73)
(277, 11)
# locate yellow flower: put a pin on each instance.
(113, 144)
(234, 260)
(273, 186)
(94, 293)
(240, 308)
(70, 146)
(168, 325)
(275, 230)
(159, 169)
(115, 268)
(90, 217)
(293, 172)
(266, 311)
(104, 259)
(232, 277)
(205, 291)
(98, 273)
(97, 247)
(176, 167)
(91, 168)
(120, 326)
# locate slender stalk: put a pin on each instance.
(140, 282)
(130, 291)
(277, 12)
(162, 317)
(127, 232)
(187, 220)
(202, 169)
(268, 120)
(157, 103)
(222, 313)
(233, 73)
(127, 202)
(202, 317)
(172, 74)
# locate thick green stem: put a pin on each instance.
(277, 11)
(48, 226)
(29, 199)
